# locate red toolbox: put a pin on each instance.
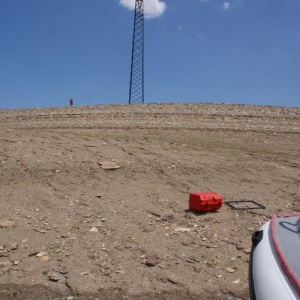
(204, 202)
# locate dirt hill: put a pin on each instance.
(72, 229)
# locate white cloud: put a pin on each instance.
(152, 8)
(179, 27)
(226, 5)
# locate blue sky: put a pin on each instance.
(216, 51)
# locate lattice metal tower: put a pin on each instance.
(136, 90)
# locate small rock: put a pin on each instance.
(34, 253)
(151, 261)
(99, 196)
(236, 281)
(94, 229)
(239, 247)
(172, 279)
(63, 271)
(40, 254)
(230, 270)
(44, 258)
(13, 246)
(84, 273)
(247, 251)
(6, 224)
(182, 229)
(212, 246)
(167, 217)
(54, 277)
(109, 165)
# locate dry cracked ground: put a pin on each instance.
(71, 229)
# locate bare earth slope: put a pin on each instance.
(72, 230)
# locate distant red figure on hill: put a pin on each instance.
(71, 102)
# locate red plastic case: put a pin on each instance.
(204, 202)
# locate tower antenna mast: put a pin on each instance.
(136, 90)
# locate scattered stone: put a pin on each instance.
(4, 254)
(63, 271)
(247, 251)
(151, 261)
(94, 229)
(212, 246)
(109, 165)
(236, 281)
(6, 224)
(239, 247)
(219, 276)
(230, 270)
(54, 277)
(182, 229)
(11, 247)
(44, 258)
(172, 279)
(40, 254)
(84, 273)
(99, 196)
(167, 217)
(40, 230)
(34, 253)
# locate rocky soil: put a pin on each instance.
(94, 200)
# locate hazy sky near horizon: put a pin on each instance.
(216, 51)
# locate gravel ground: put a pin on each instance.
(70, 229)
